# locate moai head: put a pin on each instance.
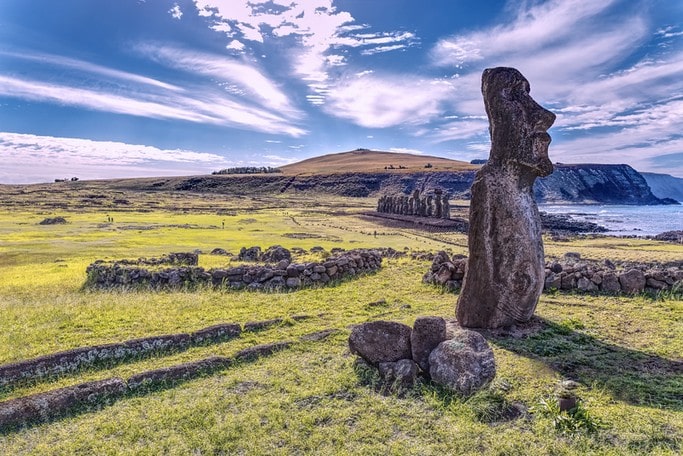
(517, 124)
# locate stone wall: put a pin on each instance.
(270, 277)
(571, 273)
(422, 205)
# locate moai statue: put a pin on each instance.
(437, 203)
(430, 208)
(505, 268)
(445, 207)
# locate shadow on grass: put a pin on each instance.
(629, 375)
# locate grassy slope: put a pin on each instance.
(367, 161)
(310, 399)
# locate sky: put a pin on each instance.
(131, 88)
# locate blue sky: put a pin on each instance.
(100, 88)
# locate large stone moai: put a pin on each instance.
(505, 268)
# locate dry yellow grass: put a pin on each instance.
(371, 161)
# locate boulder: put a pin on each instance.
(381, 341)
(427, 334)
(632, 281)
(249, 254)
(275, 254)
(610, 283)
(462, 364)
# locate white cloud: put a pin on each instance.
(380, 102)
(31, 158)
(236, 45)
(176, 12)
(319, 28)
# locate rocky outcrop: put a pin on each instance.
(280, 276)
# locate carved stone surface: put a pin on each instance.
(505, 271)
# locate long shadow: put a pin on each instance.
(632, 376)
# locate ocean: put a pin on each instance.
(624, 220)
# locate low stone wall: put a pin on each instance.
(571, 273)
(53, 404)
(281, 276)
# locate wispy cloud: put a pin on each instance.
(31, 158)
(251, 102)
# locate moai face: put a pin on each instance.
(518, 125)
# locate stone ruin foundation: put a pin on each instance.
(284, 275)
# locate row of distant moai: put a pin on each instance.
(422, 205)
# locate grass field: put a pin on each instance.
(625, 352)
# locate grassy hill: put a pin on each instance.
(372, 161)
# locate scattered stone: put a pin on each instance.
(463, 364)
(219, 251)
(381, 341)
(53, 221)
(427, 334)
(505, 270)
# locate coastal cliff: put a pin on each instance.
(595, 184)
(665, 186)
(367, 173)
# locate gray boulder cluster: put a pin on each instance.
(455, 358)
(571, 273)
(282, 275)
(422, 205)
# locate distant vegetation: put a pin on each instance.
(248, 170)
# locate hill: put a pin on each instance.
(372, 161)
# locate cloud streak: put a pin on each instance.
(32, 158)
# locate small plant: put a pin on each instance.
(573, 421)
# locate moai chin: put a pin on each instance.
(505, 269)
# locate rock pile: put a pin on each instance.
(53, 221)
(271, 277)
(422, 205)
(571, 273)
(461, 361)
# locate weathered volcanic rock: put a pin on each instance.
(632, 281)
(505, 270)
(381, 341)
(427, 334)
(464, 363)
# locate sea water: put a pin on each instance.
(624, 220)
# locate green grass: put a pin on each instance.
(313, 398)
